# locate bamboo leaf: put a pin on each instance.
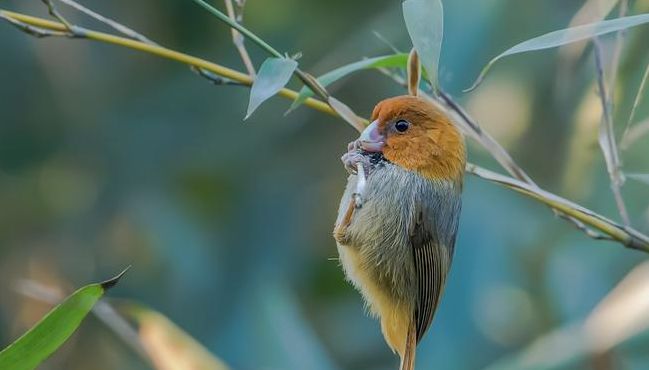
(347, 114)
(425, 24)
(566, 36)
(273, 75)
(30, 350)
(386, 61)
(642, 177)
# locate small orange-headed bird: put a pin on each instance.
(397, 247)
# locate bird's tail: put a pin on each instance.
(408, 356)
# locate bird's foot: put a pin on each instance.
(353, 157)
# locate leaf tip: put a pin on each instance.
(114, 280)
(475, 84)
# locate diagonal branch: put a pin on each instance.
(107, 21)
(622, 234)
(636, 102)
(237, 37)
(607, 140)
(59, 29)
(473, 130)
(625, 235)
(345, 112)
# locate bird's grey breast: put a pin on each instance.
(396, 203)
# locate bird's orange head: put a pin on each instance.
(415, 134)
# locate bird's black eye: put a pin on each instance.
(402, 125)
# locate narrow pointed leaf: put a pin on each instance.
(273, 75)
(425, 24)
(642, 177)
(566, 36)
(387, 42)
(386, 61)
(30, 350)
(347, 114)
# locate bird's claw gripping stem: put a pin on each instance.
(357, 163)
(360, 186)
(354, 157)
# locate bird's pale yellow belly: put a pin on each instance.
(395, 317)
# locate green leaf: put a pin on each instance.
(347, 114)
(273, 75)
(425, 24)
(386, 61)
(54, 329)
(566, 36)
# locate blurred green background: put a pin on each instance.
(110, 157)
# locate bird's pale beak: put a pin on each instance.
(371, 139)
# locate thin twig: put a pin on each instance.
(624, 235)
(636, 103)
(607, 137)
(217, 80)
(107, 21)
(214, 78)
(341, 109)
(473, 129)
(617, 51)
(486, 140)
(55, 13)
(627, 236)
(306, 78)
(72, 31)
(387, 42)
(237, 37)
(160, 51)
(32, 30)
(505, 160)
(635, 133)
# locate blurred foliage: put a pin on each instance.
(168, 346)
(109, 157)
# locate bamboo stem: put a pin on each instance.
(164, 53)
(626, 236)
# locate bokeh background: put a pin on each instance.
(110, 157)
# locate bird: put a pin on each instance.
(396, 247)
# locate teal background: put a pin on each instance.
(110, 157)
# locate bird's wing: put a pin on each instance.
(433, 241)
